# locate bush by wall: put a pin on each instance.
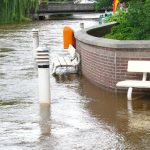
(105, 4)
(134, 24)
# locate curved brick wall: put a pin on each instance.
(104, 61)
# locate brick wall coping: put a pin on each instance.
(85, 37)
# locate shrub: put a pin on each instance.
(134, 24)
(16, 10)
(105, 4)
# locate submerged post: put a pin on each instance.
(45, 119)
(82, 25)
(35, 36)
(42, 60)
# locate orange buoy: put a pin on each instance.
(68, 37)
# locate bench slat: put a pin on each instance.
(56, 62)
(138, 66)
(134, 83)
(62, 61)
(71, 60)
(68, 61)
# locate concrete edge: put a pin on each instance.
(84, 37)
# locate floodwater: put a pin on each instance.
(81, 116)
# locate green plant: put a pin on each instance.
(16, 10)
(99, 4)
(134, 24)
(102, 4)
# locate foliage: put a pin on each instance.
(16, 10)
(60, 1)
(102, 4)
(134, 24)
(105, 3)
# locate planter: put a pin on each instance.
(104, 61)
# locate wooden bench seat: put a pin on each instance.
(138, 67)
(70, 60)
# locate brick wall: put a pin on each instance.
(97, 64)
(105, 66)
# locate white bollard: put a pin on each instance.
(82, 25)
(35, 36)
(103, 20)
(42, 60)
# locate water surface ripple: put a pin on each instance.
(81, 116)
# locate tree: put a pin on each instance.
(105, 3)
(16, 10)
(133, 24)
(60, 1)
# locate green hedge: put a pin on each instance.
(16, 10)
(133, 24)
(99, 4)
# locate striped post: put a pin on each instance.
(42, 60)
(35, 36)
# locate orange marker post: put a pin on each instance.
(68, 37)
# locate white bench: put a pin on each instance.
(70, 60)
(139, 67)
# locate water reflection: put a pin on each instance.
(5, 103)
(45, 121)
(64, 78)
(104, 105)
(139, 114)
(6, 50)
(79, 129)
(130, 107)
(129, 118)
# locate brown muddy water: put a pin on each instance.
(81, 116)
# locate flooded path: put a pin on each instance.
(82, 116)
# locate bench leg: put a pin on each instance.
(130, 107)
(76, 69)
(52, 66)
(54, 70)
(129, 94)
